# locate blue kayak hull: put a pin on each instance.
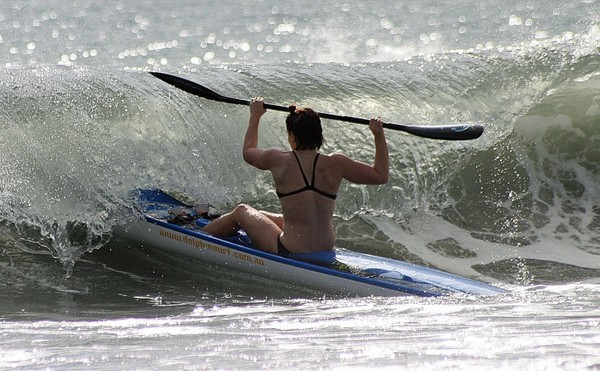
(354, 273)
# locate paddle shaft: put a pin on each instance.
(446, 132)
(321, 114)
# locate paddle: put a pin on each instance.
(448, 132)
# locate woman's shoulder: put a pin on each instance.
(342, 163)
(279, 157)
(336, 158)
(265, 159)
(277, 152)
(336, 162)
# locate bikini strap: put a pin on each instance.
(312, 182)
(302, 170)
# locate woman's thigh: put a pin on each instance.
(261, 229)
(276, 218)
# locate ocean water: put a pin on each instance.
(82, 122)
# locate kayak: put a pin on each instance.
(351, 274)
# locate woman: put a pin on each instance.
(306, 182)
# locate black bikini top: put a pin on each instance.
(307, 186)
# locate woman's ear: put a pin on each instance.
(292, 141)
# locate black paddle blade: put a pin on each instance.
(188, 86)
(446, 132)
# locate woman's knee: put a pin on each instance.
(245, 214)
(244, 210)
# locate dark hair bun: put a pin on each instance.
(305, 125)
(292, 109)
